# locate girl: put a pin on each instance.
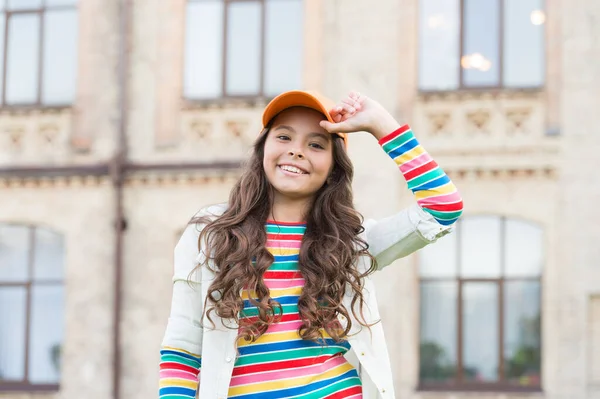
(273, 289)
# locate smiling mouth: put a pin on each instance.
(292, 169)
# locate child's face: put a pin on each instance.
(298, 153)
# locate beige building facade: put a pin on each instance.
(102, 187)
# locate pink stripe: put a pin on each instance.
(440, 199)
(284, 327)
(415, 163)
(283, 244)
(177, 374)
(292, 373)
(358, 396)
(293, 283)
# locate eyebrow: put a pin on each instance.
(312, 134)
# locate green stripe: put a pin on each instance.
(431, 175)
(328, 390)
(289, 355)
(253, 311)
(443, 215)
(273, 229)
(288, 266)
(179, 359)
(398, 141)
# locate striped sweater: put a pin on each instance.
(433, 189)
(280, 364)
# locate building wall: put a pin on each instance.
(494, 145)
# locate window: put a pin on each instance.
(38, 43)
(242, 48)
(467, 44)
(480, 306)
(31, 307)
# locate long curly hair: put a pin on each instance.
(330, 249)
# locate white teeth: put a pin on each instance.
(292, 169)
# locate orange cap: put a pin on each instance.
(299, 98)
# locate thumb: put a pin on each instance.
(341, 127)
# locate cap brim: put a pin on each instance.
(295, 98)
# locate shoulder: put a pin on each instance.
(211, 211)
(200, 219)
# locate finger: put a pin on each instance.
(335, 110)
(355, 100)
(347, 108)
(341, 127)
(352, 103)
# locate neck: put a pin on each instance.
(291, 210)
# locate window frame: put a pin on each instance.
(25, 385)
(226, 98)
(458, 383)
(41, 12)
(461, 87)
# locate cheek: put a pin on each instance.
(269, 156)
(325, 165)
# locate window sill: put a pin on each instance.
(28, 109)
(480, 388)
(227, 102)
(25, 387)
(478, 92)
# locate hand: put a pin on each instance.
(358, 112)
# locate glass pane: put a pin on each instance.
(49, 257)
(283, 52)
(23, 58)
(439, 259)
(480, 61)
(203, 73)
(524, 55)
(439, 47)
(243, 48)
(53, 3)
(60, 72)
(24, 4)
(438, 331)
(522, 335)
(524, 249)
(480, 246)
(46, 334)
(14, 253)
(480, 331)
(12, 333)
(2, 31)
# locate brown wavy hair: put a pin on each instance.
(330, 250)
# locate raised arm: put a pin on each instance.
(439, 203)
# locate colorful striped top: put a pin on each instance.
(280, 364)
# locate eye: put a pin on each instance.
(317, 145)
(283, 137)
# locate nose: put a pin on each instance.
(296, 154)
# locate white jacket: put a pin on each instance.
(389, 239)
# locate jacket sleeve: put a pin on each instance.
(439, 204)
(181, 351)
